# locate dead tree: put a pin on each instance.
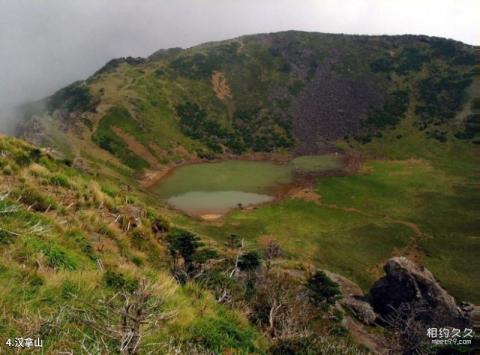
(271, 251)
(125, 317)
(281, 306)
(409, 332)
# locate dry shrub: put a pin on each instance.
(38, 170)
(100, 198)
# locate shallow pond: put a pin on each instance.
(215, 188)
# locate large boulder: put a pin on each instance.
(407, 284)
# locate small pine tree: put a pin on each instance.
(249, 261)
(322, 289)
(184, 244)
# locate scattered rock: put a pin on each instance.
(80, 164)
(130, 217)
(159, 226)
(354, 299)
(361, 309)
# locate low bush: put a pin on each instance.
(119, 282)
(59, 180)
(323, 289)
(472, 127)
(221, 335)
(75, 97)
(441, 95)
(57, 258)
(475, 105)
(392, 112)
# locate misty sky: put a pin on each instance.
(46, 44)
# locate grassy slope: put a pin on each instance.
(66, 251)
(56, 227)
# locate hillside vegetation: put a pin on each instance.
(82, 237)
(89, 266)
(281, 92)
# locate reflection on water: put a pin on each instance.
(204, 202)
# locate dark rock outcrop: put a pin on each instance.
(407, 284)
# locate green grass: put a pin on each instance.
(345, 242)
(108, 140)
(317, 162)
(444, 206)
(363, 220)
(51, 281)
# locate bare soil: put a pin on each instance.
(136, 147)
(220, 85)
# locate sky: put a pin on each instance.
(47, 44)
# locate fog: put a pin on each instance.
(46, 44)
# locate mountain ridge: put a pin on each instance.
(289, 91)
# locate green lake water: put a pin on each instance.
(218, 187)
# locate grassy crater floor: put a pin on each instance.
(427, 211)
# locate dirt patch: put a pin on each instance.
(411, 161)
(374, 342)
(303, 186)
(347, 209)
(411, 251)
(135, 146)
(182, 152)
(157, 150)
(410, 225)
(150, 177)
(211, 217)
(353, 163)
(304, 193)
(220, 85)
